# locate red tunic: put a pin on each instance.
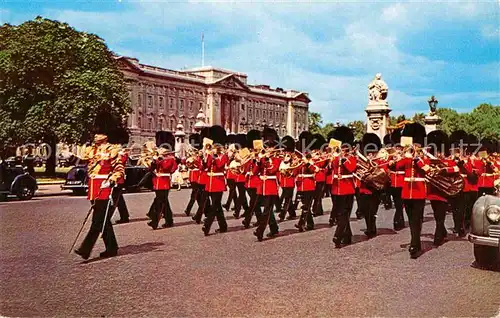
(251, 171)
(320, 175)
(362, 185)
(194, 173)
(267, 174)
(124, 158)
(486, 174)
(163, 171)
(342, 174)
(304, 178)
(468, 169)
(216, 181)
(414, 185)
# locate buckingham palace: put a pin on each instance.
(163, 98)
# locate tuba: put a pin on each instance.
(369, 173)
(449, 184)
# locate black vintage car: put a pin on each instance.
(76, 179)
(15, 180)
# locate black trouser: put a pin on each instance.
(242, 199)
(399, 219)
(287, 197)
(306, 215)
(470, 199)
(385, 196)
(195, 197)
(317, 208)
(163, 208)
(358, 211)
(119, 202)
(108, 235)
(458, 207)
(267, 217)
(203, 204)
(439, 208)
(231, 184)
(415, 211)
(483, 191)
(254, 206)
(369, 206)
(343, 207)
(333, 212)
(215, 211)
(152, 210)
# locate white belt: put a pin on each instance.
(99, 176)
(397, 172)
(305, 176)
(487, 174)
(196, 169)
(344, 176)
(247, 174)
(415, 179)
(162, 174)
(215, 174)
(267, 177)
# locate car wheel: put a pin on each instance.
(25, 192)
(486, 256)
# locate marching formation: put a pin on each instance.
(264, 175)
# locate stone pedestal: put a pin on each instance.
(431, 122)
(377, 113)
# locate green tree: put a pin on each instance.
(484, 121)
(359, 128)
(418, 118)
(54, 83)
(315, 122)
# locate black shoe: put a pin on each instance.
(359, 216)
(310, 228)
(337, 241)
(153, 225)
(370, 234)
(398, 227)
(205, 231)
(188, 213)
(107, 253)
(226, 207)
(222, 230)
(332, 222)
(347, 240)
(272, 234)
(198, 221)
(236, 215)
(259, 236)
(82, 254)
(245, 224)
(165, 225)
(300, 227)
(414, 252)
(122, 221)
(462, 233)
(255, 224)
(281, 218)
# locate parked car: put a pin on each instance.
(485, 231)
(15, 180)
(76, 179)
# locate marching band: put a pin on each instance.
(262, 174)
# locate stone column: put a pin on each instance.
(431, 122)
(290, 125)
(378, 118)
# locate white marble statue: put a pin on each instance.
(377, 89)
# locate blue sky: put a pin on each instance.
(329, 49)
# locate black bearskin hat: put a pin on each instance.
(318, 141)
(218, 135)
(416, 131)
(438, 141)
(195, 141)
(270, 137)
(396, 136)
(459, 137)
(165, 139)
(388, 140)
(472, 143)
(344, 134)
(253, 135)
(241, 139)
(304, 141)
(288, 143)
(370, 142)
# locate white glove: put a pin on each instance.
(106, 184)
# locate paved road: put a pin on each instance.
(179, 272)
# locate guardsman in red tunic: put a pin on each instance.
(216, 185)
(252, 186)
(268, 170)
(397, 178)
(304, 178)
(240, 179)
(487, 174)
(204, 204)
(105, 168)
(231, 180)
(118, 200)
(193, 164)
(287, 184)
(163, 166)
(320, 181)
(414, 194)
(343, 166)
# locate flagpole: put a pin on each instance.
(202, 50)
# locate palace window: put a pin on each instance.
(161, 102)
(150, 101)
(201, 105)
(242, 106)
(160, 124)
(249, 113)
(150, 123)
(182, 105)
(172, 124)
(171, 103)
(139, 98)
(190, 106)
(139, 120)
(190, 127)
(264, 114)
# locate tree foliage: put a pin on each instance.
(315, 122)
(54, 82)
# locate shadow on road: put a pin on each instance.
(130, 250)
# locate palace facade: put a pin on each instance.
(162, 98)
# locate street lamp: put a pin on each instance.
(432, 104)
